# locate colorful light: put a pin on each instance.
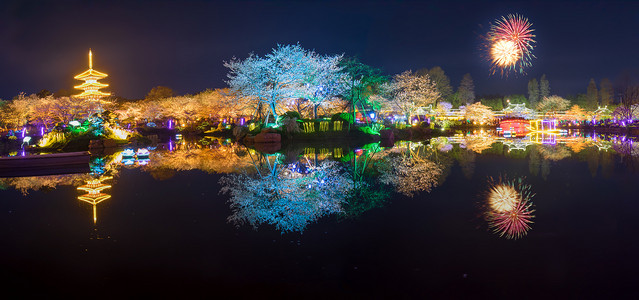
(510, 44)
(514, 223)
(509, 211)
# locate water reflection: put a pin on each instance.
(408, 169)
(287, 196)
(295, 187)
(94, 193)
(509, 211)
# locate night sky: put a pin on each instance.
(182, 44)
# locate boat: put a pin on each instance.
(45, 164)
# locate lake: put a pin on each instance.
(473, 215)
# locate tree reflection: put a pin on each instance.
(288, 197)
(366, 194)
(409, 171)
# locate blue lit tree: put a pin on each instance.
(325, 80)
(288, 197)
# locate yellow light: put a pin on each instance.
(505, 53)
(503, 198)
(91, 87)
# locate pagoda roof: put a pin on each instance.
(94, 198)
(90, 73)
(92, 93)
(91, 84)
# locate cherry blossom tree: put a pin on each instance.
(325, 79)
(479, 113)
(408, 91)
(271, 79)
(551, 105)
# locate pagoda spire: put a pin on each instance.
(91, 87)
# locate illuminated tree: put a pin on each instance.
(324, 80)
(575, 113)
(365, 82)
(479, 113)
(408, 91)
(551, 105)
(443, 108)
(18, 111)
(272, 79)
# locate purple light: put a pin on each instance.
(41, 130)
(24, 130)
(242, 121)
(170, 124)
(171, 145)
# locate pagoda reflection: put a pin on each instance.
(94, 193)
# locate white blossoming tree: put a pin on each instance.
(479, 113)
(408, 91)
(551, 105)
(272, 79)
(325, 79)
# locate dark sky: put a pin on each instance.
(182, 44)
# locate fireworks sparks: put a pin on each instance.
(510, 44)
(510, 211)
(503, 198)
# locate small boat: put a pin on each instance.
(143, 153)
(128, 153)
(46, 164)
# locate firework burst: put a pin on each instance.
(510, 44)
(503, 198)
(510, 210)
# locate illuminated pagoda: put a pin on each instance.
(94, 188)
(91, 87)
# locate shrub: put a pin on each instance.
(346, 117)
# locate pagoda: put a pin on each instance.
(91, 87)
(94, 188)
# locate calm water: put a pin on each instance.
(334, 221)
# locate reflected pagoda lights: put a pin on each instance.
(94, 195)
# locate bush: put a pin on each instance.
(291, 115)
(345, 117)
